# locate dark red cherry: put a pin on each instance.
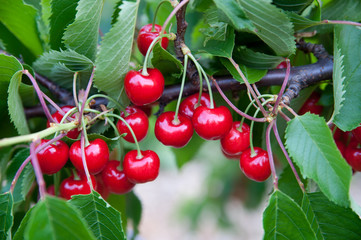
(172, 133)
(230, 156)
(137, 120)
(187, 106)
(100, 187)
(74, 133)
(341, 147)
(141, 89)
(311, 105)
(146, 37)
(71, 186)
(212, 124)
(255, 167)
(235, 141)
(51, 190)
(353, 155)
(96, 155)
(142, 169)
(115, 179)
(357, 133)
(282, 65)
(53, 157)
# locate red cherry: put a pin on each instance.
(100, 187)
(71, 186)
(282, 65)
(235, 142)
(341, 147)
(187, 106)
(311, 105)
(142, 89)
(116, 181)
(255, 167)
(137, 120)
(146, 37)
(357, 133)
(96, 155)
(51, 190)
(212, 124)
(74, 133)
(171, 133)
(353, 155)
(141, 170)
(230, 156)
(53, 157)
(147, 109)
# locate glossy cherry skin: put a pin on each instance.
(235, 142)
(282, 65)
(74, 133)
(96, 155)
(311, 105)
(257, 167)
(353, 155)
(115, 179)
(357, 133)
(71, 186)
(141, 89)
(212, 124)
(187, 106)
(146, 37)
(171, 133)
(141, 170)
(53, 157)
(137, 120)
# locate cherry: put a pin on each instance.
(51, 190)
(311, 105)
(116, 181)
(230, 156)
(353, 155)
(96, 155)
(255, 167)
(172, 133)
(53, 157)
(146, 37)
(341, 147)
(141, 169)
(212, 124)
(187, 106)
(282, 65)
(71, 186)
(137, 120)
(235, 142)
(142, 89)
(74, 133)
(100, 187)
(147, 109)
(357, 133)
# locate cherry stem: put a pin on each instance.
(234, 107)
(27, 160)
(37, 170)
(270, 155)
(175, 10)
(99, 114)
(118, 142)
(341, 22)
(248, 86)
(40, 95)
(83, 125)
(66, 116)
(38, 135)
(289, 109)
(74, 89)
(131, 131)
(200, 87)
(176, 120)
(155, 40)
(83, 158)
(118, 105)
(205, 77)
(56, 106)
(155, 13)
(86, 94)
(275, 131)
(283, 88)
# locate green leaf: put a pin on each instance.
(288, 184)
(82, 34)
(215, 29)
(115, 51)
(62, 14)
(104, 220)
(346, 77)
(19, 19)
(284, 219)
(252, 75)
(342, 10)
(300, 22)
(309, 142)
(165, 62)
(234, 14)
(185, 154)
(15, 106)
(54, 218)
(19, 235)
(6, 214)
(293, 5)
(322, 214)
(256, 60)
(221, 48)
(61, 66)
(272, 25)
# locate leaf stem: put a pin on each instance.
(341, 22)
(37, 170)
(289, 109)
(270, 155)
(74, 89)
(283, 88)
